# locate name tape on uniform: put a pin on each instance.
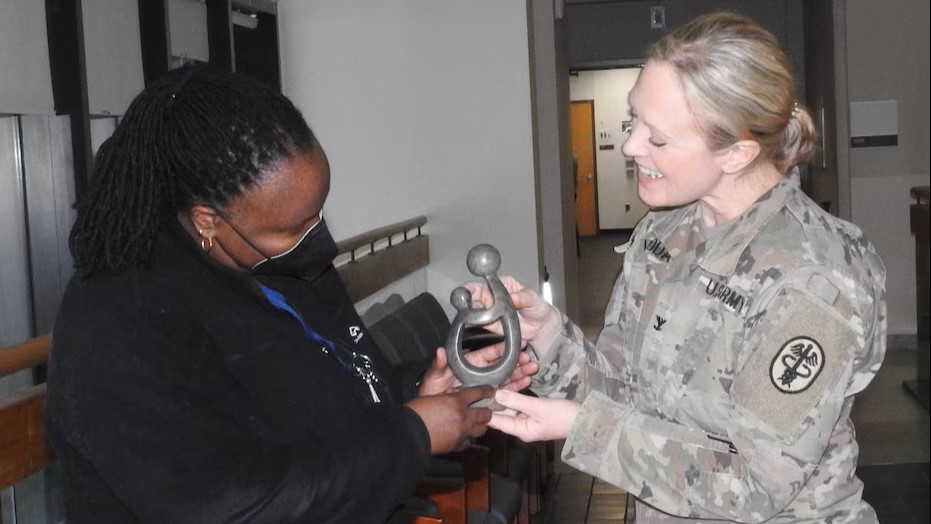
(732, 300)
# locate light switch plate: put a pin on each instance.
(657, 17)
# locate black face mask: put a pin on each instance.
(308, 259)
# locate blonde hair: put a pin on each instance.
(739, 86)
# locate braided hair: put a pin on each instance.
(198, 134)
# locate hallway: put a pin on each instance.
(892, 428)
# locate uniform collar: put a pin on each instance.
(720, 253)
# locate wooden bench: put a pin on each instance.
(23, 449)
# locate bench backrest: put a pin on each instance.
(23, 447)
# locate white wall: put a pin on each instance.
(424, 108)
(582, 86)
(113, 54)
(553, 157)
(885, 62)
(25, 81)
(616, 187)
(187, 26)
(880, 206)
(14, 265)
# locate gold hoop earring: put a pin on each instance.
(206, 243)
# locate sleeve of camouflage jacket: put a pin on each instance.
(572, 361)
(774, 438)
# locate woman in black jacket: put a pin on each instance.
(208, 365)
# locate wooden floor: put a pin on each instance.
(892, 428)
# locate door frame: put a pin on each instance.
(590, 103)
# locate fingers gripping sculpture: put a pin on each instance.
(483, 261)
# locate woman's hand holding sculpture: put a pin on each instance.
(449, 419)
(531, 419)
(440, 379)
(539, 321)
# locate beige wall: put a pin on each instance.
(887, 59)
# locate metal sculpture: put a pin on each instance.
(483, 261)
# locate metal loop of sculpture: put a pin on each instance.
(483, 261)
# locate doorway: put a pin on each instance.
(582, 139)
(615, 203)
(607, 205)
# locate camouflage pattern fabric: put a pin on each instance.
(721, 385)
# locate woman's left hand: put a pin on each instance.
(531, 419)
(440, 379)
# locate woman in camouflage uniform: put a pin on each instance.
(745, 319)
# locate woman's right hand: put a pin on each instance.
(449, 419)
(532, 419)
(539, 320)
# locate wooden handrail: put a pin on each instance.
(25, 355)
(368, 238)
(375, 269)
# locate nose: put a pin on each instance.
(635, 145)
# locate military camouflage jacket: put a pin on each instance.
(721, 385)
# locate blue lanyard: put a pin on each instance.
(327, 346)
(361, 365)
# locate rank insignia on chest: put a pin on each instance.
(797, 364)
(732, 300)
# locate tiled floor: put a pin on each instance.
(892, 429)
(579, 499)
(898, 492)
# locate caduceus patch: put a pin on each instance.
(797, 364)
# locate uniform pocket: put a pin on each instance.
(686, 378)
(696, 356)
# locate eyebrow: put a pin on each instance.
(653, 129)
(656, 132)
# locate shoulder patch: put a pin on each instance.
(804, 349)
(797, 365)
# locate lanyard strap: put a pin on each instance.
(277, 300)
(361, 365)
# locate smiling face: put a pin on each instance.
(674, 164)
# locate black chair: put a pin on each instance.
(412, 333)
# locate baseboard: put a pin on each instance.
(902, 342)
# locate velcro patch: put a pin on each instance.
(805, 349)
(821, 287)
